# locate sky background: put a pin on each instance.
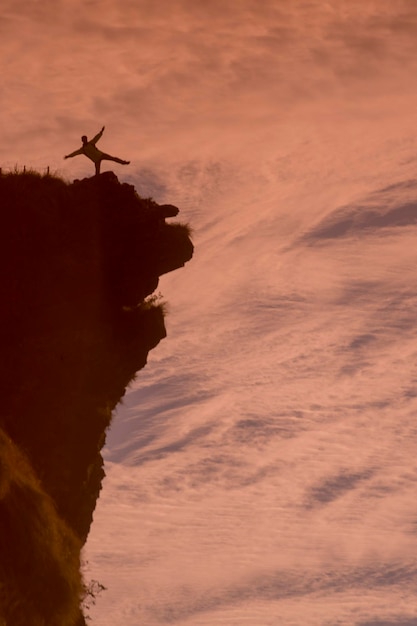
(262, 468)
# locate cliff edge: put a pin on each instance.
(77, 264)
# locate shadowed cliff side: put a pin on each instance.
(77, 262)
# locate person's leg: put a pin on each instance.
(108, 157)
(97, 164)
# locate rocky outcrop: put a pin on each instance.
(77, 263)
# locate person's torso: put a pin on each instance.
(91, 151)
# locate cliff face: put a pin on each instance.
(77, 262)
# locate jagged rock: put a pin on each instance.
(168, 210)
(76, 264)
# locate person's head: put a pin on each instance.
(84, 139)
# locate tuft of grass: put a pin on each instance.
(31, 172)
(183, 226)
(91, 591)
(153, 301)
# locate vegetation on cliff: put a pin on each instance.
(77, 263)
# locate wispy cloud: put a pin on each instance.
(185, 69)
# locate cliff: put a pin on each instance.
(77, 262)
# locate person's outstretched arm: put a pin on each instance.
(97, 137)
(67, 156)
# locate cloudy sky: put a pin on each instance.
(261, 470)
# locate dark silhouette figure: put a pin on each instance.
(92, 152)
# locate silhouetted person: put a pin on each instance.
(92, 152)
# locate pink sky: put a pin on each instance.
(262, 468)
(179, 80)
